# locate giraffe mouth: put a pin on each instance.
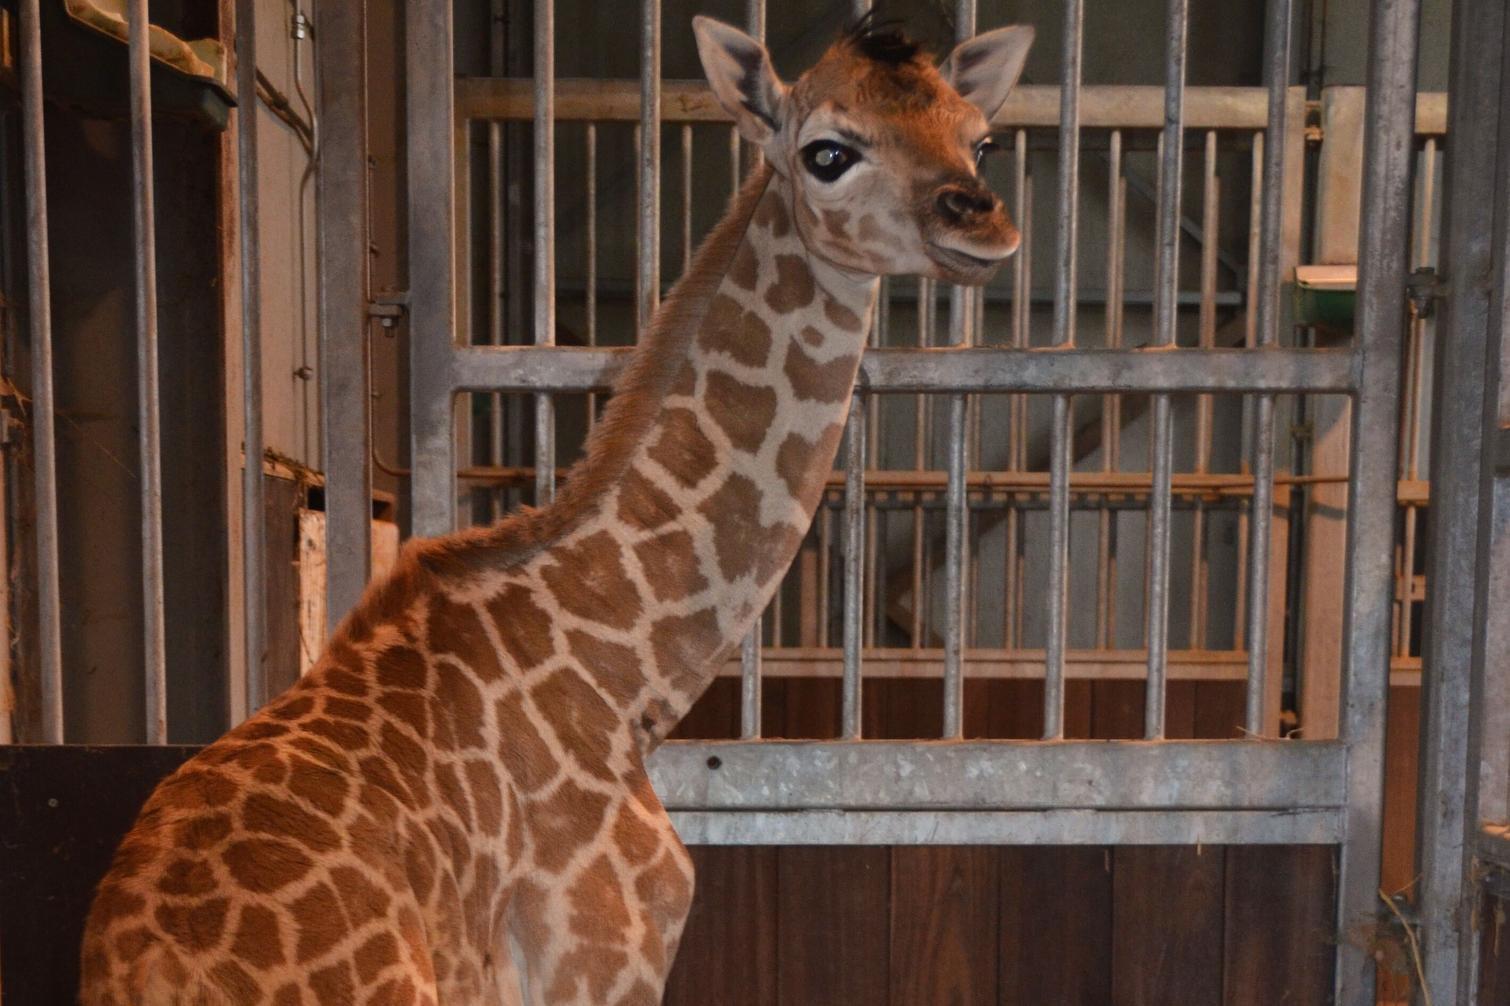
(965, 263)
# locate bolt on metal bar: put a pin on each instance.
(1171, 155)
(956, 517)
(1267, 325)
(44, 442)
(1064, 335)
(1383, 245)
(545, 238)
(854, 532)
(154, 629)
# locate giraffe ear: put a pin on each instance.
(740, 73)
(984, 69)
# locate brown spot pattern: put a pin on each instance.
(523, 626)
(582, 721)
(734, 511)
(522, 750)
(840, 315)
(564, 822)
(743, 411)
(684, 644)
(265, 865)
(772, 215)
(794, 287)
(670, 564)
(819, 382)
(804, 466)
(683, 449)
(729, 328)
(613, 666)
(457, 629)
(588, 580)
(641, 504)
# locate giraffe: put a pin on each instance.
(452, 806)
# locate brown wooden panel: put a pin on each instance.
(1494, 960)
(1056, 926)
(1401, 754)
(282, 499)
(1004, 709)
(801, 708)
(1167, 941)
(1279, 941)
(1180, 710)
(713, 716)
(1116, 710)
(903, 708)
(728, 952)
(944, 935)
(1219, 709)
(831, 926)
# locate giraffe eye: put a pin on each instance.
(985, 148)
(826, 160)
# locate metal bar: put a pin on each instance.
(154, 629)
(498, 218)
(428, 83)
(686, 197)
(1171, 156)
(1116, 215)
(590, 267)
(1117, 106)
(982, 369)
(749, 687)
(648, 262)
(956, 518)
(253, 520)
(44, 441)
(1261, 518)
(1199, 560)
(1031, 827)
(1456, 546)
(854, 550)
(1064, 336)
(1250, 341)
(1383, 250)
(341, 179)
(999, 775)
(545, 237)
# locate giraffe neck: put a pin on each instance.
(714, 488)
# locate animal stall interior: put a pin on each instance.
(1104, 672)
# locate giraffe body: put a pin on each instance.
(452, 806)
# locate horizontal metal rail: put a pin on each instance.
(1000, 775)
(975, 369)
(1027, 827)
(1107, 106)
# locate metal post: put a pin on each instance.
(154, 630)
(431, 264)
(1064, 335)
(1166, 314)
(44, 442)
(854, 531)
(545, 237)
(341, 180)
(1261, 520)
(956, 513)
(749, 651)
(1448, 819)
(1383, 249)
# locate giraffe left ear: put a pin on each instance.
(739, 71)
(985, 68)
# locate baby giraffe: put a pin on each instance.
(452, 806)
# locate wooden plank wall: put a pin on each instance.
(1009, 925)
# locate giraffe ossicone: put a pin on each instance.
(452, 806)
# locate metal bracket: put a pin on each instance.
(1424, 288)
(388, 308)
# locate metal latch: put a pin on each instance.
(1423, 287)
(388, 308)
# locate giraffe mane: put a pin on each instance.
(627, 419)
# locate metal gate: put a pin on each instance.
(1255, 790)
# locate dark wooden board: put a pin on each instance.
(63, 810)
(1168, 933)
(728, 951)
(944, 932)
(832, 926)
(1056, 926)
(1494, 950)
(1278, 930)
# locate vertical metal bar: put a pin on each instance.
(341, 180)
(686, 196)
(431, 165)
(750, 646)
(44, 443)
(1250, 341)
(590, 267)
(854, 550)
(497, 259)
(154, 630)
(1166, 315)
(1116, 223)
(1383, 248)
(1022, 209)
(1458, 533)
(545, 238)
(1199, 569)
(1064, 335)
(1267, 324)
(956, 513)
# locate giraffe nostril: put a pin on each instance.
(957, 202)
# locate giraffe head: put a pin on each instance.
(881, 149)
